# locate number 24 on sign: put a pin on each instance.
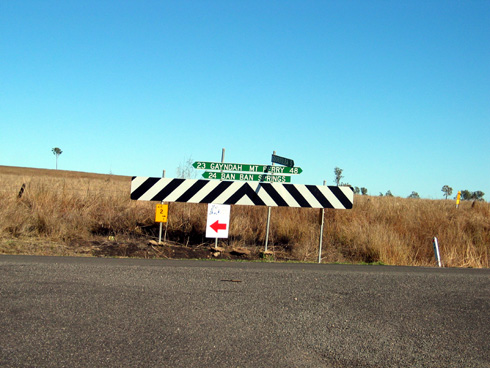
(161, 213)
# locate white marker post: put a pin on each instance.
(436, 251)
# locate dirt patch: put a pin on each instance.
(135, 248)
(151, 249)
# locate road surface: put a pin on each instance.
(94, 312)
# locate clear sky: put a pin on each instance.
(396, 93)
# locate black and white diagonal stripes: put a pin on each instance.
(242, 193)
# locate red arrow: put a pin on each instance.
(217, 226)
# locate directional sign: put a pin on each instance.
(218, 220)
(282, 161)
(269, 169)
(247, 177)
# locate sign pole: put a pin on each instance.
(222, 161)
(166, 224)
(268, 221)
(267, 227)
(322, 222)
(161, 224)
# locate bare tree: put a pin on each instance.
(186, 170)
(57, 152)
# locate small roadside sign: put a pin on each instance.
(217, 224)
(282, 161)
(161, 213)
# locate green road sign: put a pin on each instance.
(268, 169)
(247, 177)
(282, 161)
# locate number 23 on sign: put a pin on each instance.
(161, 213)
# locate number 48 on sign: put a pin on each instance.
(161, 213)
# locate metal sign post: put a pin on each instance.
(267, 227)
(322, 222)
(222, 160)
(161, 223)
(268, 219)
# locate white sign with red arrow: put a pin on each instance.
(218, 221)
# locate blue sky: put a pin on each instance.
(396, 93)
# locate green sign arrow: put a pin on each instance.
(247, 177)
(268, 169)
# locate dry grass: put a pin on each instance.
(60, 209)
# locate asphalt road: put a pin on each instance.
(92, 312)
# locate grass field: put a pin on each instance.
(75, 213)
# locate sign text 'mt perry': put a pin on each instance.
(218, 166)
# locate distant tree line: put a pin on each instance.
(338, 176)
(466, 195)
(361, 190)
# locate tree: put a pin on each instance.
(357, 190)
(466, 195)
(447, 190)
(478, 195)
(414, 195)
(388, 194)
(381, 194)
(363, 191)
(338, 175)
(57, 152)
